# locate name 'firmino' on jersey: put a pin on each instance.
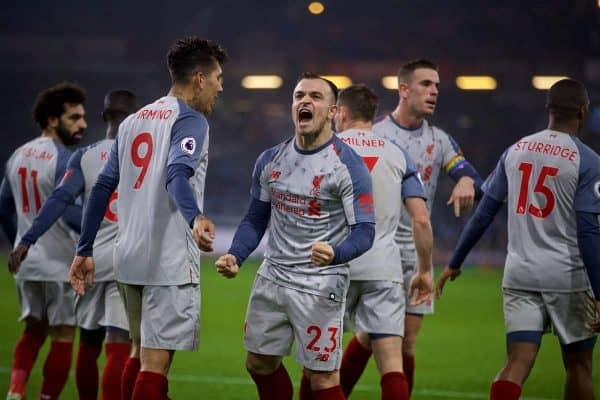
(154, 242)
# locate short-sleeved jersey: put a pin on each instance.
(33, 172)
(546, 177)
(82, 170)
(432, 150)
(154, 242)
(315, 196)
(395, 178)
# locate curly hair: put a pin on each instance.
(51, 102)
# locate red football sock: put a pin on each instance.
(277, 386)
(86, 371)
(333, 393)
(394, 386)
(130, 373)
(116, 357)
(56, 369)
(305, 389)
(354, 362)
(25, 353)
(505, 390)
(408, 365)
(150, 386)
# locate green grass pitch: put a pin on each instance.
(460, 348)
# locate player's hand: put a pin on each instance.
(227, 266)
(321, 254)
(204, 233)
(16, 257)
(595, 324)
(446, 273)
(81, 274)
(421, 288)
(463, 195)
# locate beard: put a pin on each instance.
(67, 138)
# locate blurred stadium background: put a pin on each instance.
(105, 45)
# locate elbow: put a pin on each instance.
(422, 222)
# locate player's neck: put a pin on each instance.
(51, 133)
(362, 125)
(570, 127)
(112, 130)
(181, 92)
(405, 118)
(314, 141)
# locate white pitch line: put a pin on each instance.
(447, 394)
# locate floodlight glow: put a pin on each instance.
(476, 82)
(316, 7)
(262, 82)
(341, 81)
(543, 82)
(390, 82)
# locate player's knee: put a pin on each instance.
(92, 337)
(62, 333)
(36, 327)
(320, 380)
(156, 360)
(408, 344)
(261, 365)
(117, 335)
(364, 340)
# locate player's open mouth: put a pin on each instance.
(304, 115)
(430, 102)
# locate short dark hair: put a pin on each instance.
(360, 100)
(118, 104)
(189, 54)
(407, 69)
(51, 102)
(311, 75)
(565, 99)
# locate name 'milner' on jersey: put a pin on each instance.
(547, 178)
(33, 172)
(315, 196)
(432, 150)
(395, 178)
(154, 243)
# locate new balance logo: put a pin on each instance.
(324, 357)
(275, 175)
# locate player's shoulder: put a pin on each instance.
(383, 123)
(185, 111)
(271, 153)
(346, 155)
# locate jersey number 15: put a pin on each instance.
(540, 187)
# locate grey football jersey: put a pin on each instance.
(315, 196)
(154, 243)
(432, 150)
(33, 172)
(91, 162)
(394, 179)
(545, 177)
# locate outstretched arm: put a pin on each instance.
(484, 215)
